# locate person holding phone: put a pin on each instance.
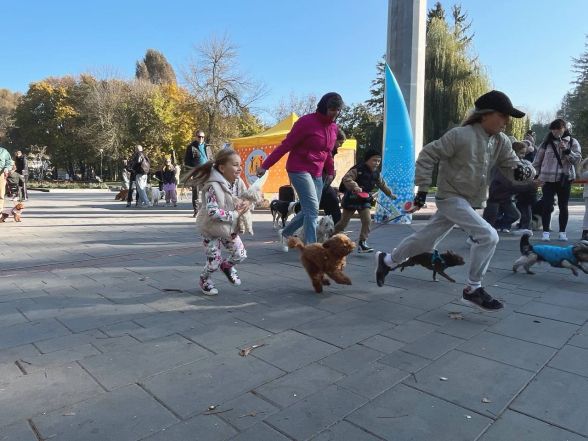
(555, 160)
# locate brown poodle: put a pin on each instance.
(327, 258)
(121, 195)
(15, 212)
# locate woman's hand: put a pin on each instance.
(243, 206)
(260, 172)
(357, 190)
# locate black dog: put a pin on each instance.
(434, 261)
(281, 210)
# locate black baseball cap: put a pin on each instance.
(499, 102)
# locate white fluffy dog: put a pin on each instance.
(155, 195)
(245, 221)
(324, 229)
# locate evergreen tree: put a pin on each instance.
(155, 68)
(453, 78)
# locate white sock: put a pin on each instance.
(388, 260)
(473, 285)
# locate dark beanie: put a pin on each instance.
(371, 152)
(331, 100)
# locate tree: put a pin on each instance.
(376, 102)
(8, 103)
(517, 127)
(359, 122)
(300, 105)
(155, 68)
(453, 78)
(574, 108)
(221, 91)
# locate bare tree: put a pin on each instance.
(300, 105)
(221, 90)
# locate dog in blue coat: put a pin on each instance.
(572, 256)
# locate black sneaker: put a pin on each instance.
(364, 247)
(382, 269)
(481, 299)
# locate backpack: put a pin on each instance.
(143, 165)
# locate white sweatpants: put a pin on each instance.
(450, 212)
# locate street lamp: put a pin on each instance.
(101, 152)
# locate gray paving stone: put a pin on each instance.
(421, 298)
(260, 432)
(571, 359)
(410, 331)
(226, 335)
(9, 315)
(344, 329)
(190, 389)
(373, 379)
(291, 350)
(561, 313)
(278, 320)
(382, 344)
(101, 315)
(68, 341)
(246, 410)
(132, 364)
(535, 329)
(464, 385)
(299, 384)
(403, 413)
(405, 361)
(315, 413)
(57, 358)
(388, 311)
(519, 427)
(199, 428)
(126, 413)
(508, 350)
(122, 328)
(568, 299)
(44, 391)
(23, 333)
(470, 325)
(433, 345)
(558, 398)
(10, 355)
(8, 373)
(351, 359)
(20, 431)
(163, 324)
(580, 339)
(344, 431)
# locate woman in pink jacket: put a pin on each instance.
(309, 145)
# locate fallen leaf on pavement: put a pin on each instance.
(455, 316)
(486, 400)
(245, 351)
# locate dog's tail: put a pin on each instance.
(295, 242)
(525, 245)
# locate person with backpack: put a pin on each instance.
(196, 155)
(140, 165)
(555, 163)
(358, 184)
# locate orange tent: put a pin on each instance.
(254, 149)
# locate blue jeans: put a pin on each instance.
(309, 191)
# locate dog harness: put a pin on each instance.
(436, 257)
(554, 255)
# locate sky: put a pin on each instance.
(300, 47)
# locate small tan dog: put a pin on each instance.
(15, 212)
(328, 258)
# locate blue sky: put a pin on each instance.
(301, 47)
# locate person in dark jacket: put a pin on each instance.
(195, 156)
(169, 183)
(330, 199)
(22, 168)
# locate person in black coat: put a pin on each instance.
(196, 155)
(330, 203)
(22, 168)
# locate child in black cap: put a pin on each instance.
(358, 184)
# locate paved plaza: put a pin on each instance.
(104, 335)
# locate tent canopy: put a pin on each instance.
(276, 134)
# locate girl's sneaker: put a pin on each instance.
(283, 241)
(546, 237)
(207, 287)
(231, 274)
(563, 236)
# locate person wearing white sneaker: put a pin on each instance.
(220, 184)
(555, 162)
(464, 156)
(546, 237)
(563, 236)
